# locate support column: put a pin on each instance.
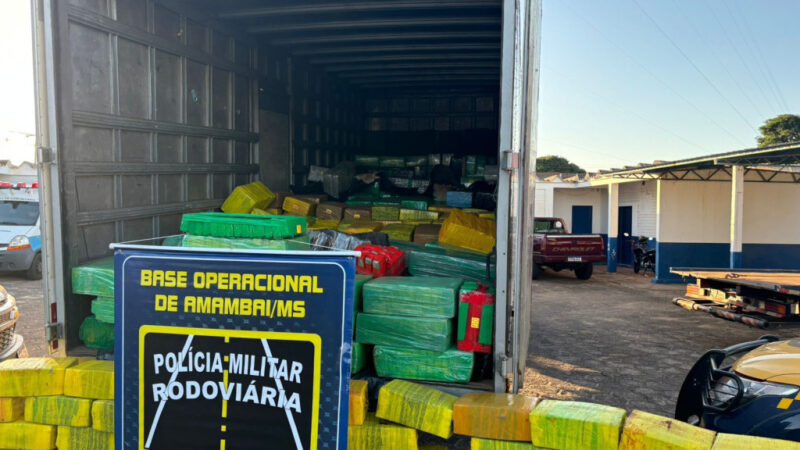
(737, 215)
(613, 226)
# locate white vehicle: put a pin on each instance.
(20, 239)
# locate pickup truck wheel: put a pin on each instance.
(35, 270)
(584, 272)
(537, 271)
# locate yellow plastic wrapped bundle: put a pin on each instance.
(12, 409)
(488, 215)
(441, 208)
(400, 231)
(358, 402)
(267, 212)
(504, 417)
(90, 379)
(27, 436)
(645, 430)
(70, 438)
(321, 224)
(103, 415)
(468, 231)
(246, 197)
(417, 406)
(295, 206)
(487, 444)
(27, 377)
(416, 214)
(59, 410)
(575, 425)
(374, 435)
(362, 227)
(726, 441)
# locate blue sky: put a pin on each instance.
(615, 90)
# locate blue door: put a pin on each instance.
(581, 219)
(625, 243)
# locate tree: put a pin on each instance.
(779, 130)
(554, 163)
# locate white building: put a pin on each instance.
(737, 209)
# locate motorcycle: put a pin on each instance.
(644, 258)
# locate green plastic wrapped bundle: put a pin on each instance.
(246, 197)
(408, 332)
(367, 160)
(103, 309)
(359, 357)
(412, 296)
(96, 334)
(374, 435)
(59, 410)
(489, 444)
(414, 204)
(451, 365)
(73, 438)
(95, 278)
(437, 262)
(417, 214)
(417, 406)
(295, 243)
(392, 161)
(243, 225)
(358, 296)
(400, 231)
(562, 424)
(385, 212)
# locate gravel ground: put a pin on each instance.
(31, 310)
(617, 339)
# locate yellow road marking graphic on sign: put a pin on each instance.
(263, 336)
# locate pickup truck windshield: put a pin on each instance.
(548, 226)
(18, 213)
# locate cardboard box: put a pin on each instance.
(298, 206)
(426, 233)
(331, 211)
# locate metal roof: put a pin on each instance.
(776, 156)
(380, 43)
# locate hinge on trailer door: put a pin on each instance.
(53, 331)
(510, 160)
(44, 155)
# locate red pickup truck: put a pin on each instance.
(556, 249)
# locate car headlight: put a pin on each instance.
(19, 242)
(724, 390)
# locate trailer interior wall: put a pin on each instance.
(156, 108)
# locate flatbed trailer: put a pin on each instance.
(760, 298)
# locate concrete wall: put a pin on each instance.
(641, 196)
(565, 198)
(694, 226)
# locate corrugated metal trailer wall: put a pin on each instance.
(158, 118)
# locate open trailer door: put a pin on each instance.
(143, 113)
(515, 204)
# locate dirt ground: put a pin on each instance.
(617, 339)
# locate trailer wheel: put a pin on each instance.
(584, 272)
(537, 271)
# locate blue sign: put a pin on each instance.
(232, 350)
